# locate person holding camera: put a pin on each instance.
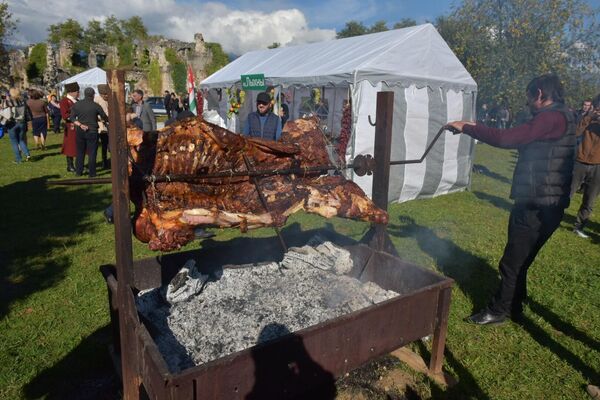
(587, 165)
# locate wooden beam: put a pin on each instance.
(123, 241)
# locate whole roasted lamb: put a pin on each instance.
(168, 212)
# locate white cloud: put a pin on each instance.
(238, 31)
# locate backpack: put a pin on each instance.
(18, 112)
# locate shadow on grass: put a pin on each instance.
(86, 373)
(40, 220)
(466, 381)
(564, 327)
(545, 340)
(495, 200)
(475, 277)
(483, 170)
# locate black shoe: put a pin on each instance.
(486, 317)
(107, 217)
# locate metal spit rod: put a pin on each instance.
(362, 164)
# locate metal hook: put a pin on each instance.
(371, 122)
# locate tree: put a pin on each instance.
(37, 61)
(7, 24)
(94, 34)
(154, 77)
(352, 28)
(379, 26)
(114, 34)
(70, 31)
(504, 44)
(405, 23)
(134, 28)
(219, 58)
(274, 45)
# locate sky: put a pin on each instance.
(239, 25)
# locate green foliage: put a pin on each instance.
(274, 45)
(7, 24)
(125, 50)
(179, 76)
(219, 58)
(37, 61)
(94, 34)
(379, 26)
(405, 23)
(70, 31)
(178, 70)
(154, 77)
(505, 44)
(112, 27)
(134, 28)
(352, 28)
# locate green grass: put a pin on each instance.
(53, 303)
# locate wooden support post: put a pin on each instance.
(123, 241)
(440, 331)
(377, 236)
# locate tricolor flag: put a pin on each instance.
(191, 91)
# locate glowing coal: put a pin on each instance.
(198, 318)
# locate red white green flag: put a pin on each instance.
(191, 91)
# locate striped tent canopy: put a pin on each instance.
(430, 85)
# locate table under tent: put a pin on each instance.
(430, 85)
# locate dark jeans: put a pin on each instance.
(16, 133)
(56, 123)
(529, 227)
(104, 150)
(87, 142)
(589, 176)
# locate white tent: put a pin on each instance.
(430, 85)
(90, 78)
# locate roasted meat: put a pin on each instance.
(168, 212)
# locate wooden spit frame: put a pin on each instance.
(143, 369)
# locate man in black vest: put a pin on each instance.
(263, 123)
(540, 189)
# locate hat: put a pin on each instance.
(103, 88)
(89, 92)
(263, 98)
(72, 87)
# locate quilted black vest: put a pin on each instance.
(269, 130)
(544, 170)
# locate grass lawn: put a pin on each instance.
(54, 315)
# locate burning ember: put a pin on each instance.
(198, 318)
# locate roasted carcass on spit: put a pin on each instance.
(168, 212)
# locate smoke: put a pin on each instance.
(238, 31)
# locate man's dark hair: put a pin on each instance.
(139, 91)
(89, 93)
(549, 85)
(596, 102)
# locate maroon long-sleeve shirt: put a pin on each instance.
(544, 126)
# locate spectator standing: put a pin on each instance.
(39, 118)
(284, 112)
(167, 101)
(102, 100)
(143, 111)
(540, 189)
(69, 146)
(263, 123)
(85, 114)
(586, 108)
(174, 105)
(587, 165)
(15, 121)
(54, 112)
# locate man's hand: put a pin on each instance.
(457, 126)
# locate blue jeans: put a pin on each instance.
(17, 140)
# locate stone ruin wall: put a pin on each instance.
(58, 62)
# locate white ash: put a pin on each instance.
(197, 319)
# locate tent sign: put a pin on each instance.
(253, 82)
